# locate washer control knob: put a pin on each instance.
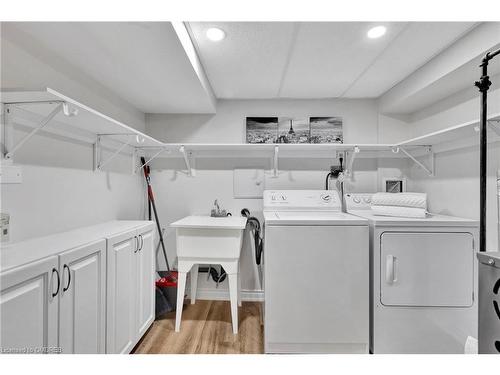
(356, 200)
(491, 262)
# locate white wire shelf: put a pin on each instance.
(286, 150)
(50, 111)
(74, 120)
(456, 136)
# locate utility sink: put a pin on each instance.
(209, 237)
(209, 240)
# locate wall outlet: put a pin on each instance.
(4, 227)
(339, 154)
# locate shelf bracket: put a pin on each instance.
(69, 112)
(495, 126)
(430, 171)
(60, 107)
(355, 152)
(150, 159)
(97, 152)
(276, 161)
(100, 163)
(183, 151)
(134, 160)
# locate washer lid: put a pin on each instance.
(430, 220)
(311, 218)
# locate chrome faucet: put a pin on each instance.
(216, 211)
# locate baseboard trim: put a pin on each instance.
(223, 295)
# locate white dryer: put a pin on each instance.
(423, 295)
(315, 275)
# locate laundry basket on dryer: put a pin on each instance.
(489, 302)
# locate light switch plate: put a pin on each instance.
(10, 174)
(248, 183)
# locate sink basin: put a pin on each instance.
(209, 238)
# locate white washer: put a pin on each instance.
(423, 296)
(315, 274)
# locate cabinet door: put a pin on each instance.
(82, 299)
(145, 268)
(29, 307)
(121, 293)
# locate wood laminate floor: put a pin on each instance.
(206, 329)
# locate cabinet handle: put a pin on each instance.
(142, 242)
(69, 277)
(136, 244)
(58, 281)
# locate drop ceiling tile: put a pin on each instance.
(329, 56)
(412, 48)
(249, 62)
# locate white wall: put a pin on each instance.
(393, 129)
(228, 124)
(455, 188)
(52, 199)
(59, 190)
(180, 195)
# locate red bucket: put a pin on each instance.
(170, 280)
(168, 286)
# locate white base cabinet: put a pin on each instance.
(92, 298)
(82, 299)
(145, 289)
(29, 307)
(130, 301)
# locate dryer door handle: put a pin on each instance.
(390, 274)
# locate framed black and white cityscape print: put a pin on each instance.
(262, 129)
(326, 130)
(293, 130)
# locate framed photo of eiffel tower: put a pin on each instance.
(326, 129)
(291, 130)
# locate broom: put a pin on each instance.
(169, 275)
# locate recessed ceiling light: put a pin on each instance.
(215, 34)
(376, 32)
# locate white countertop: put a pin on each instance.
(208, 222)
(19, 253)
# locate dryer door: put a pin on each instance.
(426, 269)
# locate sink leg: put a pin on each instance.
(181, 286)
(233, 293)
(239, 289)
(194, 282)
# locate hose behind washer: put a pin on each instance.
(255, 223)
